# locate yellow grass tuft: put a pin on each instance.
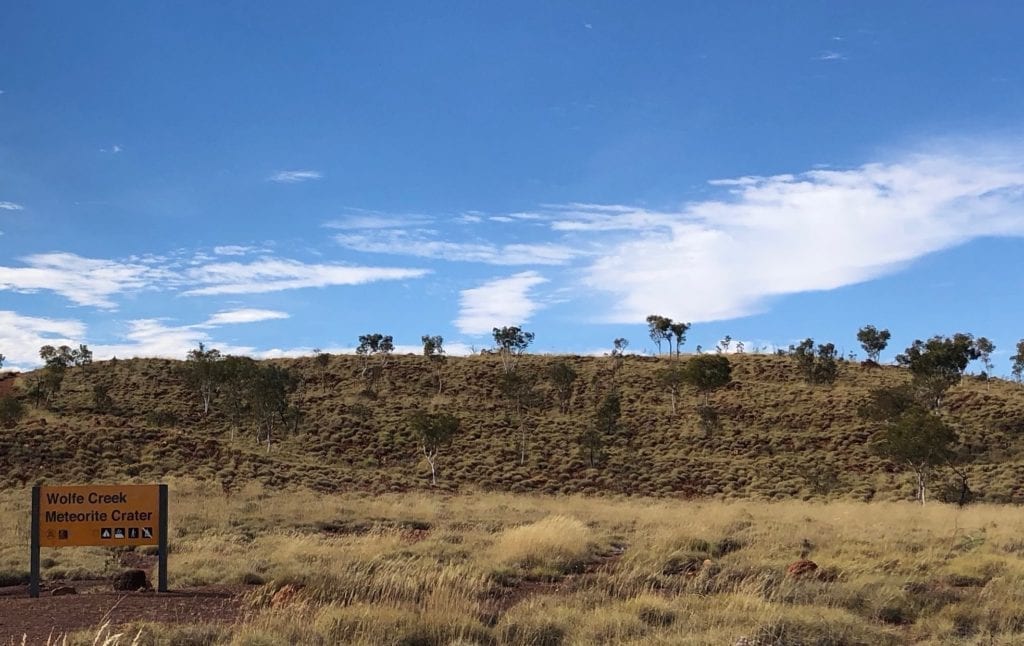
(557, 542)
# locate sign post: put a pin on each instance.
(99, 515)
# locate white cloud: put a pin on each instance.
(372, 220)
(294, 176)
(249, 315)
(276, 274)
(721, 259)
(590, 218)
(504, 301)
(22, 336)
(235, 250)
(415, 244)
(84, 281)
(11, 206)
(831, 56)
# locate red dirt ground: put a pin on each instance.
(96, 603)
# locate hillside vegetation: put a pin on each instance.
(776, 436)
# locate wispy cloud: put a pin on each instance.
(235, 250)
(504, 301)
(294, 176)
(11, 206)
(831, 56)
(83, 281)
(276, 274)
(786, 234)
(362, 219)
(116, 148)
(419, 245)
(248, 315)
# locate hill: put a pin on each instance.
(777, 437)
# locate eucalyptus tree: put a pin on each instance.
(1017, 365)
(202, 373)
(511, 343)
(659, 329)
(938, 364)
(434, 431)
(562, 376)
(433, 350)
(873, 340)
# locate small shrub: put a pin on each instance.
(14, 577)
(11, 411)
(725, 546)
(161, 418)
(654, 612)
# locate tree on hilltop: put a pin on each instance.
(56, 362)
(374, 345)
(321, 360)
(1017, 365)
(511, 342)
(202, 374)
(938, 364)
(985, 349)
(815, 368)
(659, 329)
(433, 350)
(873, 340)
(618, 354)
(678, 330)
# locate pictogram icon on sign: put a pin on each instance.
(119, 532)
(147, 532)
(133, 532)
(106, 532)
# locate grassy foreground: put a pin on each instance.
(528, 569)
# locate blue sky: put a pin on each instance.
(273, 177)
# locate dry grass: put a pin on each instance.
(498, 569)
(558, 544)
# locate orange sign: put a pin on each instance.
(104, 515)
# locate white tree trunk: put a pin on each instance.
(522, 430)
(921, 485)
(430, 460)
